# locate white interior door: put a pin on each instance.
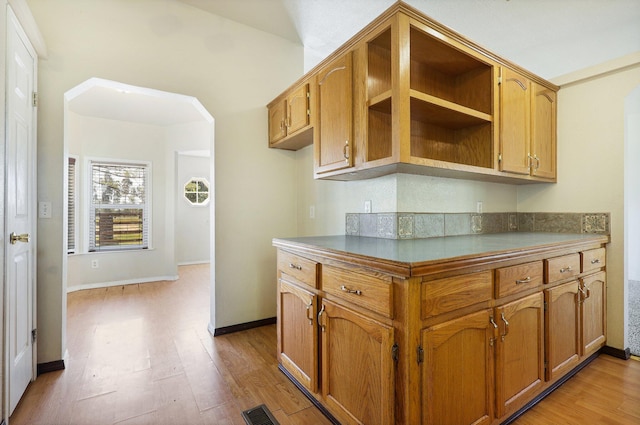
(20, 208)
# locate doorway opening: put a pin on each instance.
(108, 122)
(632, 218)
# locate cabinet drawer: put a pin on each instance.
(452, 293)
(593, 259)
(514, 279)
(298, 267)
(368, 291)
(561, 268)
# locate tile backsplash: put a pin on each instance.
(428, 225)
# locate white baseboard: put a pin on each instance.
(119, 283)
(211, 329)
(193, 263)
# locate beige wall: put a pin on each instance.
(173, 47)
(591, 166)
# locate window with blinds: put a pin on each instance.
(119, 212)
(71, 204)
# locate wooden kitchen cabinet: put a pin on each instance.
(333, 138)
(458, 365)
(593, 303)
(298, 333)
(357, 366)
(562, 323)
(519, 352)
(290, 124)
(402, 343)
(527, 126)
(409, 95)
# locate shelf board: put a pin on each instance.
(381, 102)
(434, 110)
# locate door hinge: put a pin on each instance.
(35, 99)
(394, 352)
(420, 352)
(34, 335)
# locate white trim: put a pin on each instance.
(211, 329)
(28, 23)
(75, 288)
(194, 263)
(76, 218)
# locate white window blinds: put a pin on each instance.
(119, 212)
(71, 204)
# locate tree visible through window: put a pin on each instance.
(196, 191)
(119, 213)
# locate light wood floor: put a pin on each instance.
(141, 354)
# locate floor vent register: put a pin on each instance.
(259, 415)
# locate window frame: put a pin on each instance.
(196, 204)
(148, 217)
(72, 203)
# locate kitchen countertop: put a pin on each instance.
(420, 253)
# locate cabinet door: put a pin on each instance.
(298, 333)
(543, 132)
(593, 293)
(515, 121)
(458, 366)
(277, 128)
(357, 366)
(562, 329)
(520, 352)
(334, 144)
(298, 112)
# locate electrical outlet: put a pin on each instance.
(312, 211)
(44, 209)
(479, 207)
(95, 264)
(367, 207)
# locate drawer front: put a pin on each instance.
(368, 291)
(561, 268)
(452, 293)
(298, 267)
(514, 279)
(593, 259)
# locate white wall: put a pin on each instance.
(192, 221)
(591, 167)
(234, 71)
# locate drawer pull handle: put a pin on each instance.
(595, 261)
(350, 291)
(565, 269)
(525, 280)
(308, 310)
(295, 266)
(506, 326)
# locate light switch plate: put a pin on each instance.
(44, 209)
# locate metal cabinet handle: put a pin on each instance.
(495, 327)
(350, 291)
(345, 151)
(308, 310)
(319, 316)
(24, 237)
(295, 266)
(506, 326)
(595, 261)
(565, 269)
(525, 280)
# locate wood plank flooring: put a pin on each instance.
(141, 354)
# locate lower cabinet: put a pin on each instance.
(297, 333)
(519, 352)
(458, 366)
(357, 366)
(562, 329)
(593, 296)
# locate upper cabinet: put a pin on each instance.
(407, 94)
(290, 124)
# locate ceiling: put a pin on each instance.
(548, 37)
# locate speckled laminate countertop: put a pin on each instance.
(417, 252)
